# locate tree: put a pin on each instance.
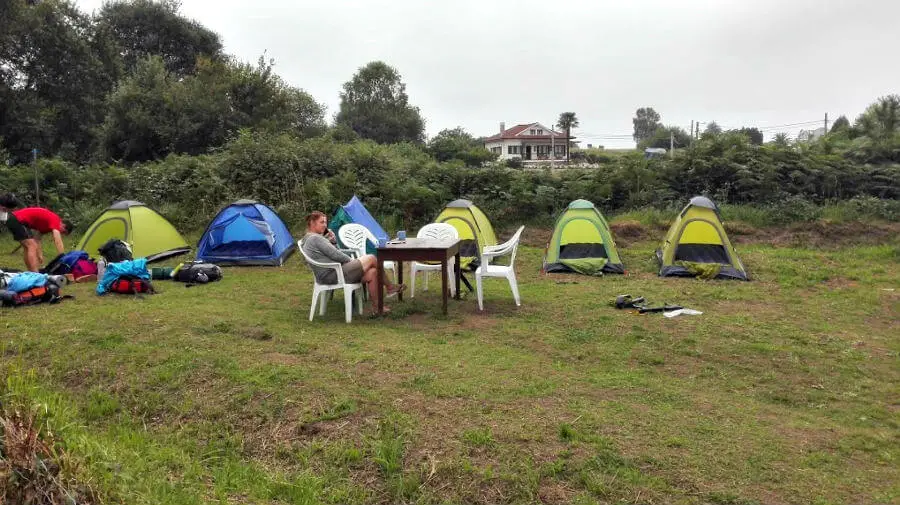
(567, 121)
(755, 136)
(646, 121)
(881, 120)
(54, 75)
(782, 140)
(375, 105)
(840, 124)
(458, 144)
(662, 137)
(141, 28)
(712, 128)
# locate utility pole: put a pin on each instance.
(826, 123)
(37, 189)
(692, 132)
(552, 148)
(671, 144)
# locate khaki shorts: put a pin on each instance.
(353, 273)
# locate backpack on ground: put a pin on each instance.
(198, 272)
(114, 251)
(48, 293)
(127, 285)
(64, 263)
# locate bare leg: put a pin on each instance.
(30, 251)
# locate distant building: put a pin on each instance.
(530, 142)
(810, 135)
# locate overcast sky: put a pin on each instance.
(474, 64)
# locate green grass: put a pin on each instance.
(783, 391)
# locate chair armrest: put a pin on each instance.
(353, 253)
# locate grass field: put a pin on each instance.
(785, 390)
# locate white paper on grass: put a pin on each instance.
(678, 312)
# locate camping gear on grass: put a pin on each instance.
(582, 243)
(246, 233)
(355, 212)
(475, 231)
(148, 233)
(697, 245)
(129, 270)
(115, 250)
(197, 272)
(30, 288)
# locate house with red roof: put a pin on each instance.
(532, 142)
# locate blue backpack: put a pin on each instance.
(63, 263)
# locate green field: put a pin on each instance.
(785, 390)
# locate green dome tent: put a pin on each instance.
(148, 233)
(475, 230)
(697, 245)
(582, 243)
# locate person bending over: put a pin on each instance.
(318, 244)
(44, 222)
(20, 233)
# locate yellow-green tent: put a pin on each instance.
(581, 242)
(475, 230)
(697, 245)
(148, 233)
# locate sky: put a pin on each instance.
(475, 64)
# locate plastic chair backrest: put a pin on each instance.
(354, 236)
(438, 231)
(510, 247)
(334, 266)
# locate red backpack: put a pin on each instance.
(130, 286)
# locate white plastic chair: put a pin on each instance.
(320, 290)
(508, 271)
(354, 236)
(434, 231)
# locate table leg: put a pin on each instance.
(444, 284)
(399, 266)
(380, 286)
(458, 274)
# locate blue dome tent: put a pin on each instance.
(355, 212)
(246, 233)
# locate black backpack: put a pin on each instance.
(198, 272)
(114, 251)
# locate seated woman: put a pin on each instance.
(318, 244)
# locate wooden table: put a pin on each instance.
(418, 249)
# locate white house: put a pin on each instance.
(530, 142)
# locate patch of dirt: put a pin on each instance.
(821, 234)
(629, 231)
(536, 237)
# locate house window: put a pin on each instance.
(532, 131)
(540, 132)
(497, 150)
(560, 149)
(512, 150)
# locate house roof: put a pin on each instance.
(519, 132)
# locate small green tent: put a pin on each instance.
(582, 243)
(148, 233)
(697, 245)
(475, 230)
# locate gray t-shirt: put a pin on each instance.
(320, 249)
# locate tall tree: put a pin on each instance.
(458, 144)
(375, 105)
(755, 136)
(54, 75)
(712, 129)
(567, 121)
(664, 135)
(142, 28)
(881, 120)
(646, 121)
(840, 124)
